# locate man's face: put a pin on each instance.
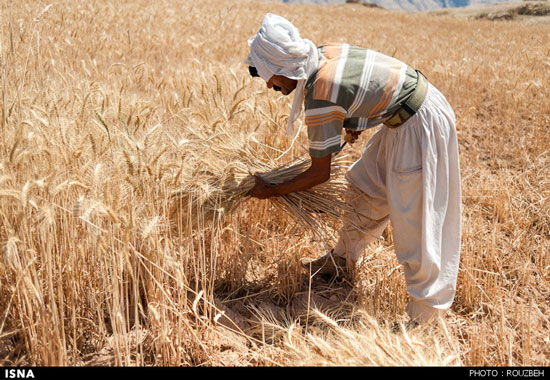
(282, 84)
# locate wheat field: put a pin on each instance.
(110, 109)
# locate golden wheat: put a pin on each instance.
(127, 127)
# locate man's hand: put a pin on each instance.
(352, 135)
(261, 190)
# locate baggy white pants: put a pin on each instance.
(410, 176)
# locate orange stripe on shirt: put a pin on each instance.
(325, 77)
(324, 115)
(325, 119)
(386, 96)
(391, 84)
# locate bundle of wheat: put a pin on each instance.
(322, 203)
(221, 180)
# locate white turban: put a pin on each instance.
(278, 49)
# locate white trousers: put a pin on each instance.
(410, 176)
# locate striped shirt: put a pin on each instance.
(353, 88)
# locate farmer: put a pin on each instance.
(408, 172)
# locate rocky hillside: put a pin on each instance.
(406, 5)
(529, 12)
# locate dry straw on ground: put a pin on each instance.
(108, 109)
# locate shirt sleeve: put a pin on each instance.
(324, 122)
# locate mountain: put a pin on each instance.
(527, 12)
(406, 5)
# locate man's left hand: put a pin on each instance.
(352, 135)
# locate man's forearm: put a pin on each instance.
(318, 172)
(303, 181)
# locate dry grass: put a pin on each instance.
(109, 108)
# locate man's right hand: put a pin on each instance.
(261, 189)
